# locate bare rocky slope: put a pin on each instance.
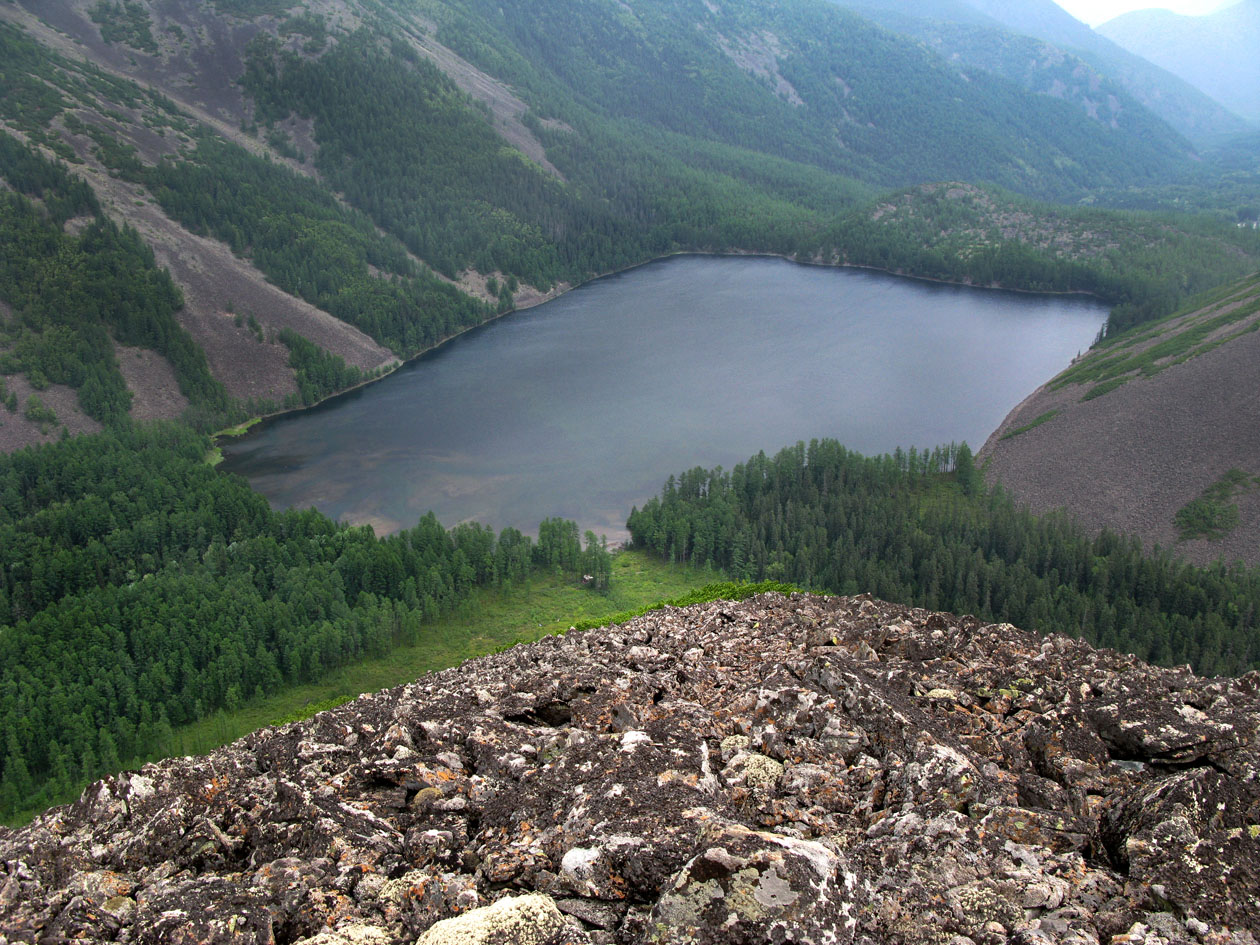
(803, 769)
(1181, 413)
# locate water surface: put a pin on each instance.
(581, 407)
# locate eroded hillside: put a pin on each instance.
(1154, 433)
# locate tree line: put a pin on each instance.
(922, 528)
(140, 590)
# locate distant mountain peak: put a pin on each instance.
(1218, 53)
(982, 36)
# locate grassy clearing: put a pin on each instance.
(1213, 515)
(490, 620)
(215, 456)
(239, 430)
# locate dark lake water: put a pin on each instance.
(581, 407)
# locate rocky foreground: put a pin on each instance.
(804, 769)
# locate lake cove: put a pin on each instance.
(580, 408)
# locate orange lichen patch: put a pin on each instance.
(689, 778)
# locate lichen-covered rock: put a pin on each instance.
(786, 769)
(519, 920)
(353, 933)
(750, 886)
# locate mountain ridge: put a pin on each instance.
(982, 34)
(1215, 52)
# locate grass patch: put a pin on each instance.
(1213, 515)
(1175, 348)
(240, 429)
(720, 590)
(215, 455)
(492, 619)
(1044, 418)
(1206, 518)
(311, 708)
(1106, 387)
(1204, 302)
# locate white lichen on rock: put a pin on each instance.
(353, 933)
(519, 920)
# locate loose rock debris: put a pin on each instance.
(803, 769)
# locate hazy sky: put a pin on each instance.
(1094, 12)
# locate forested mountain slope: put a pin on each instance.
(815, 78)
(1216, 52)
(65, 107)
(1153, 433)
(1141, 263)
(333, 188)
(1039, 45)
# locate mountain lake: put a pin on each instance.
(582, 407)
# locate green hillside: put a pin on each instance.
(370, 174)
(250, 205)
(1144, 264)
(805, 81)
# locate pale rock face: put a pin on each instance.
(354, 933)
(520, 920)
(756, 886)
(823, 771)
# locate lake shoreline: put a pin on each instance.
(578, 409)
(256, 422)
